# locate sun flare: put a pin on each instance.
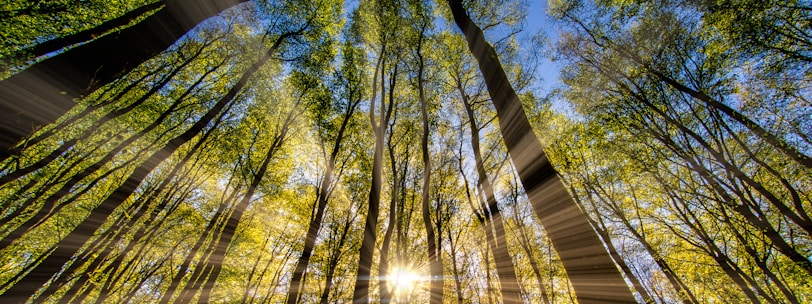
(403, 280)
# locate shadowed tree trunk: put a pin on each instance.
(45, 91)
(52, 204)
(591, 271)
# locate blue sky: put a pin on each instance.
(539, 20)
(548, 71)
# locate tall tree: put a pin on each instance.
(379, 126)
(492, 221)
(386, 20)
(592, 272)
(350, 83)
(433, 248)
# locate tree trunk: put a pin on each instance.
(324, 190)
(682, 290)
(335, 257)
(492, 215)
(227, 234)
(525, 244)
(592, 272)
(435, 264)
(386, 293)
(765, 135)
(603, 232)
(367, 250)
(454, 268)
(211, 226)
(45, 91)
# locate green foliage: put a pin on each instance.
(697, 204)
(26, 23)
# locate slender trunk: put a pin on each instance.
(216, 262)
(386, 292)
(52, 205)
(103, 101)
(324, 196)
(435, 264)
(150, 226)
(212, 225)
(70, 245)
(757, 221)
(275, 279)
(771, 139)
(247, 292)
(366, 252)
(801, 219)
(685, 294)
(524, 240)
(760, 262)
(66, 146)
(297, 280)
(525, 243)
(591, 270)
(753, 126)
(248, 296)
(488, 285)
(45, 91)
(708, 245)
(124, 225)
(208, 267)
(600, 227)
(334, 259)
(108, 277)
(492, 214)
(98, 251)
(454, 268)
(127, 298)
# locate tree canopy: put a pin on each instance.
(388, 151)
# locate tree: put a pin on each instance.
(350, 83)
(433, 247)
(387, 22)
(733, 189)
(578, 245)
(489, 213)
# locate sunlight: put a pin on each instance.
(404, 280)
